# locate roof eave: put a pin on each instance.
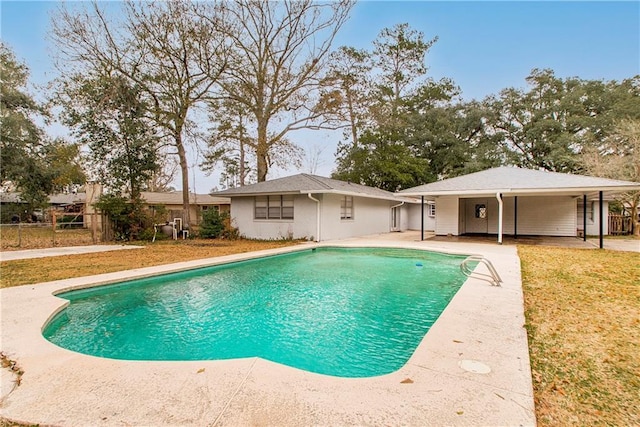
(526, 191)
(390, 197)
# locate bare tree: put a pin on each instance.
(314, 158)
(167, 48)
(279, 51)
(161, 180)
(619, 158)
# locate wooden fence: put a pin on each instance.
(620, 224)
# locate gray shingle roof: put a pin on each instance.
(175, 198)
(516, 180)
(305, 183)
(54, 199)
(171, 198)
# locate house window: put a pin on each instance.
(481, 211)
(273, 207)
(431, 209)
(346, 207)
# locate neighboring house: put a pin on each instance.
(14, 208)
(82, 204)
(317, 208)
(172, 203)
(514, 201)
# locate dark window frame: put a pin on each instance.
(273, 207)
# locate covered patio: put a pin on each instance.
(517, 202)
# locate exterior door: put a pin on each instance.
(477, 214)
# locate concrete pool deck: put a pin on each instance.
(472, 367)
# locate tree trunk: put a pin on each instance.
(184, 168)
(352, 119)
(262, 151)
(242, 169)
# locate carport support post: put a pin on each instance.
(601, 213)
(422, 218)
(584, 217)
(515, 217)
(500, 209)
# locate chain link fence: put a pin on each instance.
(50, 234)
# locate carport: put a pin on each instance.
(510, 200)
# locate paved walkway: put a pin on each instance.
(70, 250)
(629, 245)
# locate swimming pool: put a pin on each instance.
(338, 311)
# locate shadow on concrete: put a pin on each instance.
(631, 244)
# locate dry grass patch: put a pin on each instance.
(583, 320)
(35, 236)
(22, 272)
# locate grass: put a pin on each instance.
(29, 271)
(582, 309)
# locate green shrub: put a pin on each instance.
(147, 234)
(213, 224)
(127, 217)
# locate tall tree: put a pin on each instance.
(434, 138)
(548, 125)
(399, 55)
(108, 115)
(33, 163)
(167, 49)
(382, 160)
(347, 89)
(230, 143)
(279, 51)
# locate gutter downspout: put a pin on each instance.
(500, 209)
(317, 216)
(421, 218)
(397, 206)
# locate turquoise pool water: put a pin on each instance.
(336, 311)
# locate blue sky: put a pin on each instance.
(487, 46)
(483, 46)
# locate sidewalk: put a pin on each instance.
(628, 245)
(71, 250)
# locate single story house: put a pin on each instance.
(82, 203)
(515, 201)
(172, 203)
(13, 208)
(313, 207)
